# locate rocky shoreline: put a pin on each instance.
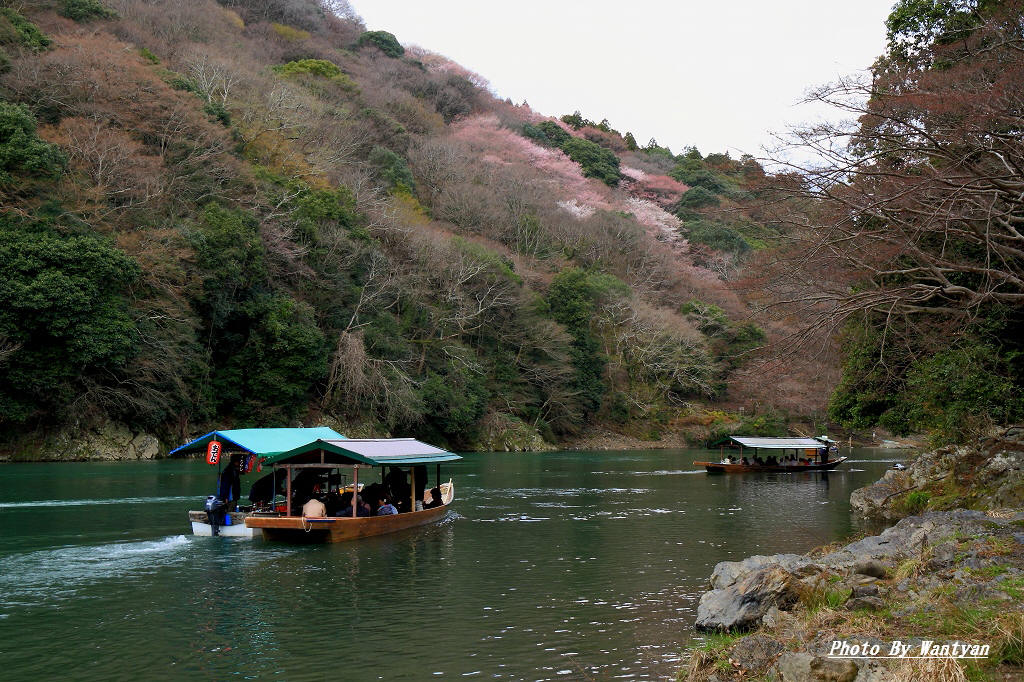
(942, 573)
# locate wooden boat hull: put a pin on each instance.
(719, 468)
(340, 529)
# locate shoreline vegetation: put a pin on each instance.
(951, 569)
(692, 428)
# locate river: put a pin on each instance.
(569, 565)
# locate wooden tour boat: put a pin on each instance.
(326, 457)
(788, 455)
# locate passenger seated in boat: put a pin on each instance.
(373, 494)
(314, 508)
(386, 508)
(362, 508)
(435, 499)
(745, 462)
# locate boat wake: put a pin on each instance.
(54, 574)
(35, 504)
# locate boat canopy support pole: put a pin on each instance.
(288, 492)
(412, 494)
(437, 476)
(355, 488)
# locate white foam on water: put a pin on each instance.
(84, 503)
(55, 573)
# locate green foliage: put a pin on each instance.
(271, 376)
(547, 133)
(698, 197)
(453, 404)
(217, 112)
(231, 260)
(315, 67)
(384, 41)
(958, 389)
(62, 309)
(596, 161)
(86, 10)
(915, 502)
(913, 26)
(267, 351)
(951, 392)
(502, 266)
(573, 300)
(718, 236)
(392, 169)
(21, 150)
(630, 141)
(729, 340)
(148, 55)
(16, 29)
(5, 61)
(179, 82)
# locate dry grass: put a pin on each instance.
(929, 670)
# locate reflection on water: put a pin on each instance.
(564, 565)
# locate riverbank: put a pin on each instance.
(693, 426)
(951, 569)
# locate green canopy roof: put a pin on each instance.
(372, 451)
(263, 442)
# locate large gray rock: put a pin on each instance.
(110, 441)
(754, 654)
(801, 667)
(742, 604)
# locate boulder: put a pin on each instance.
(744, 603)
(868, 603)
(865, 591)
(754, 654)
(871, 567)
(800, 667)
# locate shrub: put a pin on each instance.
(86, 10)
(289, 33)
(15, 28)
(5, 61)
(217, 112)
(717, 235)
(149, 56)
(384, 41)
(697, 197)
(547, 133)
(595, 160)
(316, 67)
(21, 150)
(392, 169)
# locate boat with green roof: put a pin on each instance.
(311, 491)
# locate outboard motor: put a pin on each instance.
(214, 512)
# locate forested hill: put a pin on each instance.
(256, 212)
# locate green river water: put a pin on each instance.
(581, 565)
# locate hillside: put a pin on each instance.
(259, 213)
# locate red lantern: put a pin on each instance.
(213, 452)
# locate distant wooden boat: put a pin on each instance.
(726, 468)
(323, 460)
(789, 455)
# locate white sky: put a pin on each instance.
(721, 75)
